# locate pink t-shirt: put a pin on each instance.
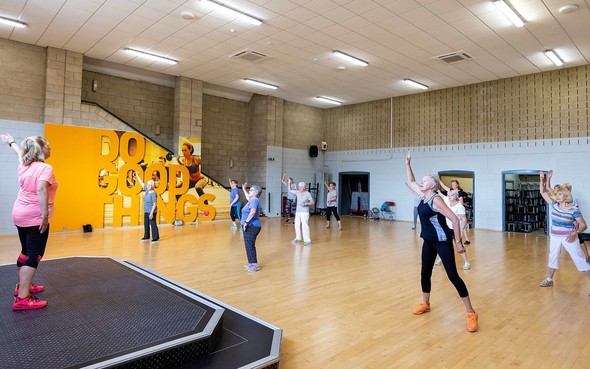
(26, 211)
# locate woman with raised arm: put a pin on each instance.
(438, 240)
(566, 222)
(251, 225)
(31, 214)
(291, 198)
(461, 195)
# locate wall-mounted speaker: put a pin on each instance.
(324, 146)
(313, 151)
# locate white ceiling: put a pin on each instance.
(399, 38)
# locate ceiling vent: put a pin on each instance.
(249, 55)
(455, 57)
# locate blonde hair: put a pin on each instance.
(568, 195)
(453, 194)
(564, 186)
(32, 149)
(433, 178)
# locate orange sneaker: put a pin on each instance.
(471, 322)
(28, 303)
(33, 289)
(421, 308)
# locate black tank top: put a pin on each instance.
(433, 224)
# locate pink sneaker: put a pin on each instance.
(33, 289)
(28, 303)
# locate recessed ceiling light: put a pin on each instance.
(154, 57)
(260, 84)
(342, 67)
(12, 22)
(328, 100)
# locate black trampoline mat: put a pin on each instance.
(98, 309)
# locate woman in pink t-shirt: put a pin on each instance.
(31, 214)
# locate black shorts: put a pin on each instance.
(583, 237)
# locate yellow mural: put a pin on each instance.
(95, 169)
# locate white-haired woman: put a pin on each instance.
(452, 201)
(438, 239)
(31, 214)
(150, 210)
(304, 201)
(251, 225)
(566, 222)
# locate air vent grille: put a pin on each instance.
(249, 55)
(455, 57)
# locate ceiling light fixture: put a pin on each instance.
(509, 12)
(12, 22)
(413, 83)
(236, 13)
(350, 58)
(329, 100)
(260, 84)
(151, 56)
(552, 55)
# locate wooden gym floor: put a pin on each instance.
(346, 301)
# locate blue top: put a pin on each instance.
(235, 192)
(434, 225)
(254, 203)
(149, 200)
(302, 198)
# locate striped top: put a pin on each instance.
(563, 221)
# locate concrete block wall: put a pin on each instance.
(188, 109)
(303, 126)
(141, 104)
(63, 87)
(22, 81)
(224, 139)
(359, 126)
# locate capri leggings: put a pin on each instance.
(33, 245)
(447, 254)
(329, 211)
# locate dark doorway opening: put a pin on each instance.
(354, 193)
(523, 207)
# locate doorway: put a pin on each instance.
(523, 207)
(354, 193)
(466, 181)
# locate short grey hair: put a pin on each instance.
(151, 183)
(256, 189)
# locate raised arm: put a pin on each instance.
(9, 140)
(245, 191)
(139, 180)
(543, 189)
(548, 187)
(411, 183)
(444, 186)
(283, 179)
(289, 185)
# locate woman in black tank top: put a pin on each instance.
(438, 240)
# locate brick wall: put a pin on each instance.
(224, 138)
(303, 126)
(141, 104)
(547, 105)
(22, 79)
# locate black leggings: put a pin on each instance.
(330, 210)
(447, 254)
(32, 245)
